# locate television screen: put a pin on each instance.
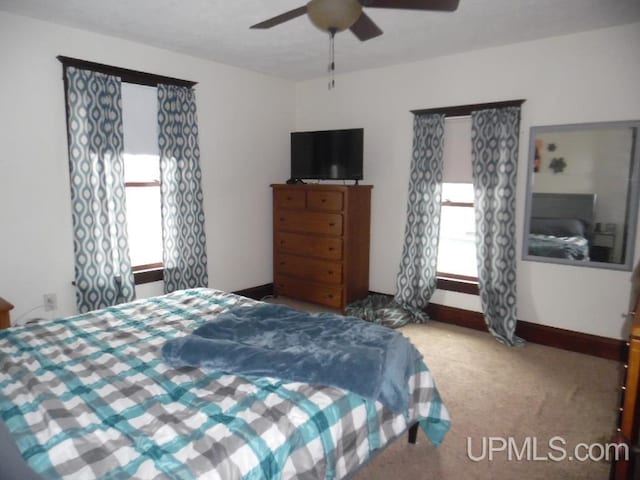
(327, 155)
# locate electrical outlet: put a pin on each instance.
(50, 302)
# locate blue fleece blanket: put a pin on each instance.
(323, 349)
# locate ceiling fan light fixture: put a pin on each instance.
(334, 15)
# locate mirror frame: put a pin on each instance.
(633, 192)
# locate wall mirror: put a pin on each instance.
(582, 194)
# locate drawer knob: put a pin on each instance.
(323, 200)
(332, 224)
(330, 272)
(330, 296)
(331, 249)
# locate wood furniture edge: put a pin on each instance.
(625, 465)
(5, 308)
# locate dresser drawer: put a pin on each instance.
(309, 222)
(308, 245)
(309, 268)
(318, 200)
(309, 291)
(290, 198)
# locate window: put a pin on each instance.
(101, 281)
(457, 244)
(142, 177)
(144, 222)
(456, 247)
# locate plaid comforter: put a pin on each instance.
(576, 248)
(90, 397)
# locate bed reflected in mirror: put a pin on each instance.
(582, 194)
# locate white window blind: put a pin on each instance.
(457, 150)
(140, 119)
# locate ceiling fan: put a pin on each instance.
(337, 15)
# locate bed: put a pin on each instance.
(561, 225)
(90, 396)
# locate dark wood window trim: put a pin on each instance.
(148, 276)
(466, 110)
(455, 276)
(125, 74)
(447, 203)
(154, 183)
(150, 266)
(457, 283)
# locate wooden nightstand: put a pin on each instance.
(5, 308)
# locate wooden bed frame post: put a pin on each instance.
(629, 420)
(413, 433)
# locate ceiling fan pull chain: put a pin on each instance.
(332, 56)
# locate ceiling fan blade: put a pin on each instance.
(439, 5)
(290, 15)
(364, 28)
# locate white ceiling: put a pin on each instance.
(218, 30)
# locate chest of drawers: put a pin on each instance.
(321, 242)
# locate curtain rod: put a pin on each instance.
(127, 75)
(465, 110)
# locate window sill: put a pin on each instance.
(148, 276)
(457, 285)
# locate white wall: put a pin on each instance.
(588, 77)
(244, 119)
(244, 122)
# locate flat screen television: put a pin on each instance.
(327, 155)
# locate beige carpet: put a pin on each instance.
(534, 393)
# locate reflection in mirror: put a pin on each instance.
(582, 194)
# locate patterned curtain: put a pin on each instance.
(495, 158)
(416, 281)
(184, 243)
(103, 275)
